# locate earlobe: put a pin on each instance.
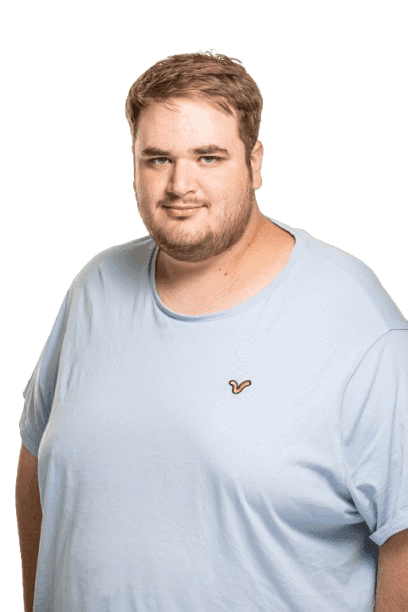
(257, 182)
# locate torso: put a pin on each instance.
(268, 266)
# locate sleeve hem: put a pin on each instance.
(29, 444)
(392, 527)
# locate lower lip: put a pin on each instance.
(176, 212)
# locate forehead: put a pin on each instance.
(188, 123)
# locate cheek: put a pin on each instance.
(147, 184)
(230, 188)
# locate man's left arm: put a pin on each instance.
(392, 574)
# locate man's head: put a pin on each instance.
(215, 77)
(182, 104)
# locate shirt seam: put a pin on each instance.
(356, 278)
(346, 478)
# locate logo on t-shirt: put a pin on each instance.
(238, 388)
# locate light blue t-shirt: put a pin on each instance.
(249, 460)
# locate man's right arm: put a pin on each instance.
(29, 519)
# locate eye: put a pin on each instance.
(151, 161)
(210, 157)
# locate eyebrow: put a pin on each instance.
(149, 151)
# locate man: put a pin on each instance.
(220, 411)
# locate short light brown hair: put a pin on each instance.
(215, 78)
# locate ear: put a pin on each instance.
(256, 163)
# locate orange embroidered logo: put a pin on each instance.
(238, 388)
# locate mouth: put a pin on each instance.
(179, 212)
(182, 207)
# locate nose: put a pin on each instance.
(181, 179)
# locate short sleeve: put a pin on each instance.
(374, 435)
(39, 391)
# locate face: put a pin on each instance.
(173, 173)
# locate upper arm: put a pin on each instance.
(27, 470)
(392, 577)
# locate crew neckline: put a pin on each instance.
(300, 242)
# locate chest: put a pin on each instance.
(160, 412)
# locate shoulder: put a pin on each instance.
(134, 253)
(352, 283)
